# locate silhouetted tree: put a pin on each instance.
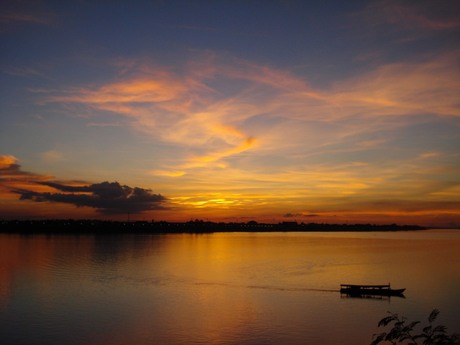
(403, 331)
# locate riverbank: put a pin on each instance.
(71, 226)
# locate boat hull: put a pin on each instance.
(376, 290)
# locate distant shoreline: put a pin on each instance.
(88, 226)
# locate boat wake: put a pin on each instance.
(266, 287)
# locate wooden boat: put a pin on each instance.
(377, 290)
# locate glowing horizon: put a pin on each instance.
(340, 114)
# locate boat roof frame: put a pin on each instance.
(365, 286)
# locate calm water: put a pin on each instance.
(225, 288)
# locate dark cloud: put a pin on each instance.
(294, 215)
(106, 197)
(290, 215)
(12, 168)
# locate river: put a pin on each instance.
(222, 288)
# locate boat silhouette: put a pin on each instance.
(355, 290)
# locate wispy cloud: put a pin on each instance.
(411, 20)
(24, 72)
(242, 126)
(31, 18)
(400, 89)
(14, 13)
(168, 173)
(51, 156)
(421, 14)
(193, 109)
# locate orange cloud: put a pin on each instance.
(131, 91)
(12, 175)
(168, 173)
(217, 155)
(7, 161)
(276, 116)
(165, 106)
(404, 89)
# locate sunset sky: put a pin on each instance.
(307, 111)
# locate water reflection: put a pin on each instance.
(227, 288)
(372, 297)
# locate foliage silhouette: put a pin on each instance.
(403, 332)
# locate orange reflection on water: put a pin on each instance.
(226, 287)
(34, 255)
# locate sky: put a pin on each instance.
(307, 111)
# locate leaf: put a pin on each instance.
(401, 332)
(378, 339)
(413, 324)
(440, 329)
(410, 327)
(399, 324)
(394, 333)
(386, 320)
(427, 329)
(434, 314)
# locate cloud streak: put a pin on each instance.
(419, 15)
(260, 136)
(193, 109)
